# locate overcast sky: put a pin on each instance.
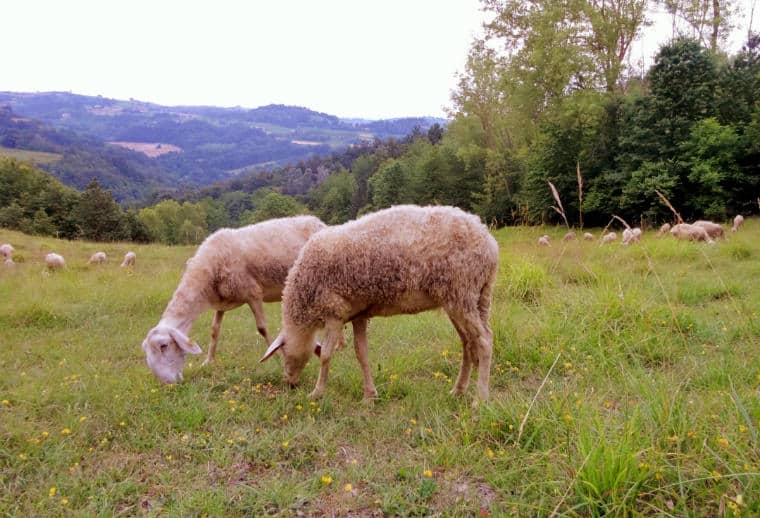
(351, 58)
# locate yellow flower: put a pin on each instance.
(299, 407)
(52, 492)
(490, 453)
(22, 456)
(83, 419)
(567, 418)
(65, 431)
(64, 501)
(393, 377)
(427, 473)
(742, 428)
(45, 434)
(284, 417)
(673, 438)
(413, 421)
(285, 444)
(122, 424)
(658, 476)
(169, 457)
(715, 473)
(6, 402)
(691, 434)
(348, 487)
(723, 442)
(326, 479)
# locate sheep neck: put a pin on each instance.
(186, 305)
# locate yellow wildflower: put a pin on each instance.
(22, 456)
(64, 501)
(348, 487)
(393, 377)
(45, 434)
(413, 421)
(285, 444)
(6, 402)
(326, 479)
(122, 424)
(52, 492)
(66, 431)
(427, 473)
(723, 442)
(490, 453)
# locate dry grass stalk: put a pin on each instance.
(525, 419)
(667, 202)
(580, 193)
(621, 220)
(561, 209)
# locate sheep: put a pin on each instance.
(738, 222)
(55, 261)
(714, 230)
(402, 260)
(689, 232)
(6, 250)
(129, 260)
(588, 236)
(544, 240)
(231, 267)
(9, 262)
(609, 238)
(569, 236)
(98, 258)
(664, 229)
(631, 235)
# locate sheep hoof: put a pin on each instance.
(370, 395)
(316, 394)
(207, 361)
(456, 391)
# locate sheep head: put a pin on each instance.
(165, 350)
(296, 350)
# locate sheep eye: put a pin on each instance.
(164, 346)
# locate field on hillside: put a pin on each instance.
(35, 157)
(625, 381)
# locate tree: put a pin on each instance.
(275, 205)
(331, 200)
(98, 215)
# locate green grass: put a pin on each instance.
(651, 409)
(35, 157)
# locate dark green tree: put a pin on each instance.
(99, 217)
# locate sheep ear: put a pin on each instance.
(278, 342)
(184, 342)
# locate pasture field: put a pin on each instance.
(638, 370)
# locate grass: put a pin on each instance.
(35, 157)
(651, 409)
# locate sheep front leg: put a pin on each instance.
(334, 329)
(215, 327)
(360, 346)
(257, 307)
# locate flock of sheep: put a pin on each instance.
(700, 230)
(55, 261)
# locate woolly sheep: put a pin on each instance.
(402, 260)
(6, 250)
(713, 229)
(738, 222)
(129, 259)
(609, 238)
(54, 261)
(664, 229)
(569, 236)
(544, 240)
(9, 262)
(231, 267)
(98, 258)
(689, 232)
(588, 236)
(631, 235)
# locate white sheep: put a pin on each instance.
(569, 236)
(402, 260)
(544, 240)
(54, 261)
(714, 230)
(689, 232)
(6, 250)
(588, 236)
(9, 262)
(664, 229)
(631, 235)
(129, 259)
(738, 222)
(231, 267)
(98, 258)
(609, 238)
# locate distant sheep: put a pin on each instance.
(569, 236)
(738, 222)
(9, 262)
(609, 238)
(588, 236)
(544, 240)
(402, 260)
(631, 235)
(689, 232)
(714, 230)
(98, 258)
(129, 259)
(6, 250)
(664, 230)
(231, 267)
(55, 261)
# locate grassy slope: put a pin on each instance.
(36, 157)
(644, 412)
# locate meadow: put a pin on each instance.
(625, 382)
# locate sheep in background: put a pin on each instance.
(9, 262)
(609, 238)
(738, 222)
(569, 236)
(129, 260)
(664, 229)
(54, 261)
(714, 230)
(544, 240)
(98, 258)
(631, 235)
(402, 260)
(689, 232)
(231, 267)
(6, 250)
(588, 236)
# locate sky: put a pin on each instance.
(351, 58)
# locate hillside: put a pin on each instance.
(207, 143)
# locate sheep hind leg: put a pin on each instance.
(257, 308)
(463, 379)
(215, 327)
(477, 338)
(360, 346)
(332, 336)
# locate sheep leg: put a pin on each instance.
(360, 346)
(332, 336)
(463, 379)
(215, 326)
(477, 342)
(261, 322)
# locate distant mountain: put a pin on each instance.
(197, 145)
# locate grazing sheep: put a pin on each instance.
(6, 250)
(544, 240)
(664, 229)
(569, 236)
(129, 259)
(98, 258)
(9, 262)
(402, 260)
(54, 261)
(713, 229)
(631, 235)
(609, 238)
(689, 232)
(738, 222)
(231, 267)
(588, 236)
